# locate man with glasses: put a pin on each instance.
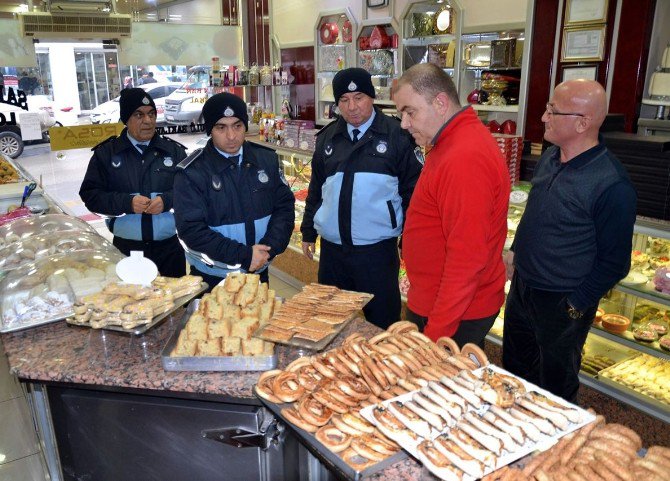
(457, 219)
(129, 179)
(233, 206)
(572, 245)
(363, 174)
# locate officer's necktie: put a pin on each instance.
(235, 159)
(355, 133)
(142, 147)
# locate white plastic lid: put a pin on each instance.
(137, 269)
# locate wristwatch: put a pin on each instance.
(573, 312)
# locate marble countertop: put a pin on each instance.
(97, 359)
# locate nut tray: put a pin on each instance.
(139, 330)
(506, 458)
(332, 460)
(203, 363)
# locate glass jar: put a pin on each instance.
(243, 75)
(254, 75)
(266, 75)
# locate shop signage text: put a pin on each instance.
(82, 136)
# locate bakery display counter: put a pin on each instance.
(88, 386)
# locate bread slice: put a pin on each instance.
(197, 327)
(218, 328)
(263, 290)
(224, 297)
(184, 348)
(234, 281)
(247, 294)
(251, 311)
(211, 347)
(230, 346)
(276, 334)
(252, 347)
(212, 309)
(266, 310)
(245, 328)
(268, 348)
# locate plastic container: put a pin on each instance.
(35, 247)
(41, 224)
(45, 290)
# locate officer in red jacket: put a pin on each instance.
(457, 219)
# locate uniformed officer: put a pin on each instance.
(233, 206)
(129, 179)
(363, 173)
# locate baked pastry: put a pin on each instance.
(234, 281)
(645, 334)
(211, 347)
(218, 328)
(244, 328)
(230, 346)
(664, 342)
(252, 347)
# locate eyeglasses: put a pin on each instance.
(138, 115)
(551, 111)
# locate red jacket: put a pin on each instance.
(456, 227)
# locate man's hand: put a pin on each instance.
(260, 257)
(508, 260)
(155, 207)
(309, 248)
(140, 204)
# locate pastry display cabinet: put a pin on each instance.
(335, 50)
(626, 356)
(431, 32)
(377, 52)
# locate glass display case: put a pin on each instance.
(627, 352)
(35, 247)
(493, 75)
(40, 224)
(377, 52)
(431, 31)
(46, 290)
(335, 50)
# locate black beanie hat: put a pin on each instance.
(224, 105)
(133, 99)
(352, 80)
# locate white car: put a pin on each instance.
(11, 142)
(109, 111)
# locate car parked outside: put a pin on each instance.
(11, 142)
(109, 111)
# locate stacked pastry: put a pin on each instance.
(645, 374)
(598, 451)
(227, 318)
(329, 389)
(313, 314)
(129, 305)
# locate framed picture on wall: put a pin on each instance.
(583, 44)
(581, 12)
(588, 72)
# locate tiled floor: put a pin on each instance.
(61, 174)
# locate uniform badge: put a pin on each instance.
(216, 183)
(328, 150)
(282, 177)
(167, 162)
(146, 101)
(117, 164)
(418, 153)
(263, 177)
(228, 112)
(352, 86)
(382, 147)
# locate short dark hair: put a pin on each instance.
(429, 80)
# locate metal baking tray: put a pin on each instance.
(210, 363)
(318, 345)
(139, 330)
(508, 458)
(305, 343)
(329, 458)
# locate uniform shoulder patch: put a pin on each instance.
(172, 140)
(190, 159)
(109, 139)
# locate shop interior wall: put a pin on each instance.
(293, 21)
(660, 39)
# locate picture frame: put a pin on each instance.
(583, 12)
(583, 44)
(377, 3)
(588, 72)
